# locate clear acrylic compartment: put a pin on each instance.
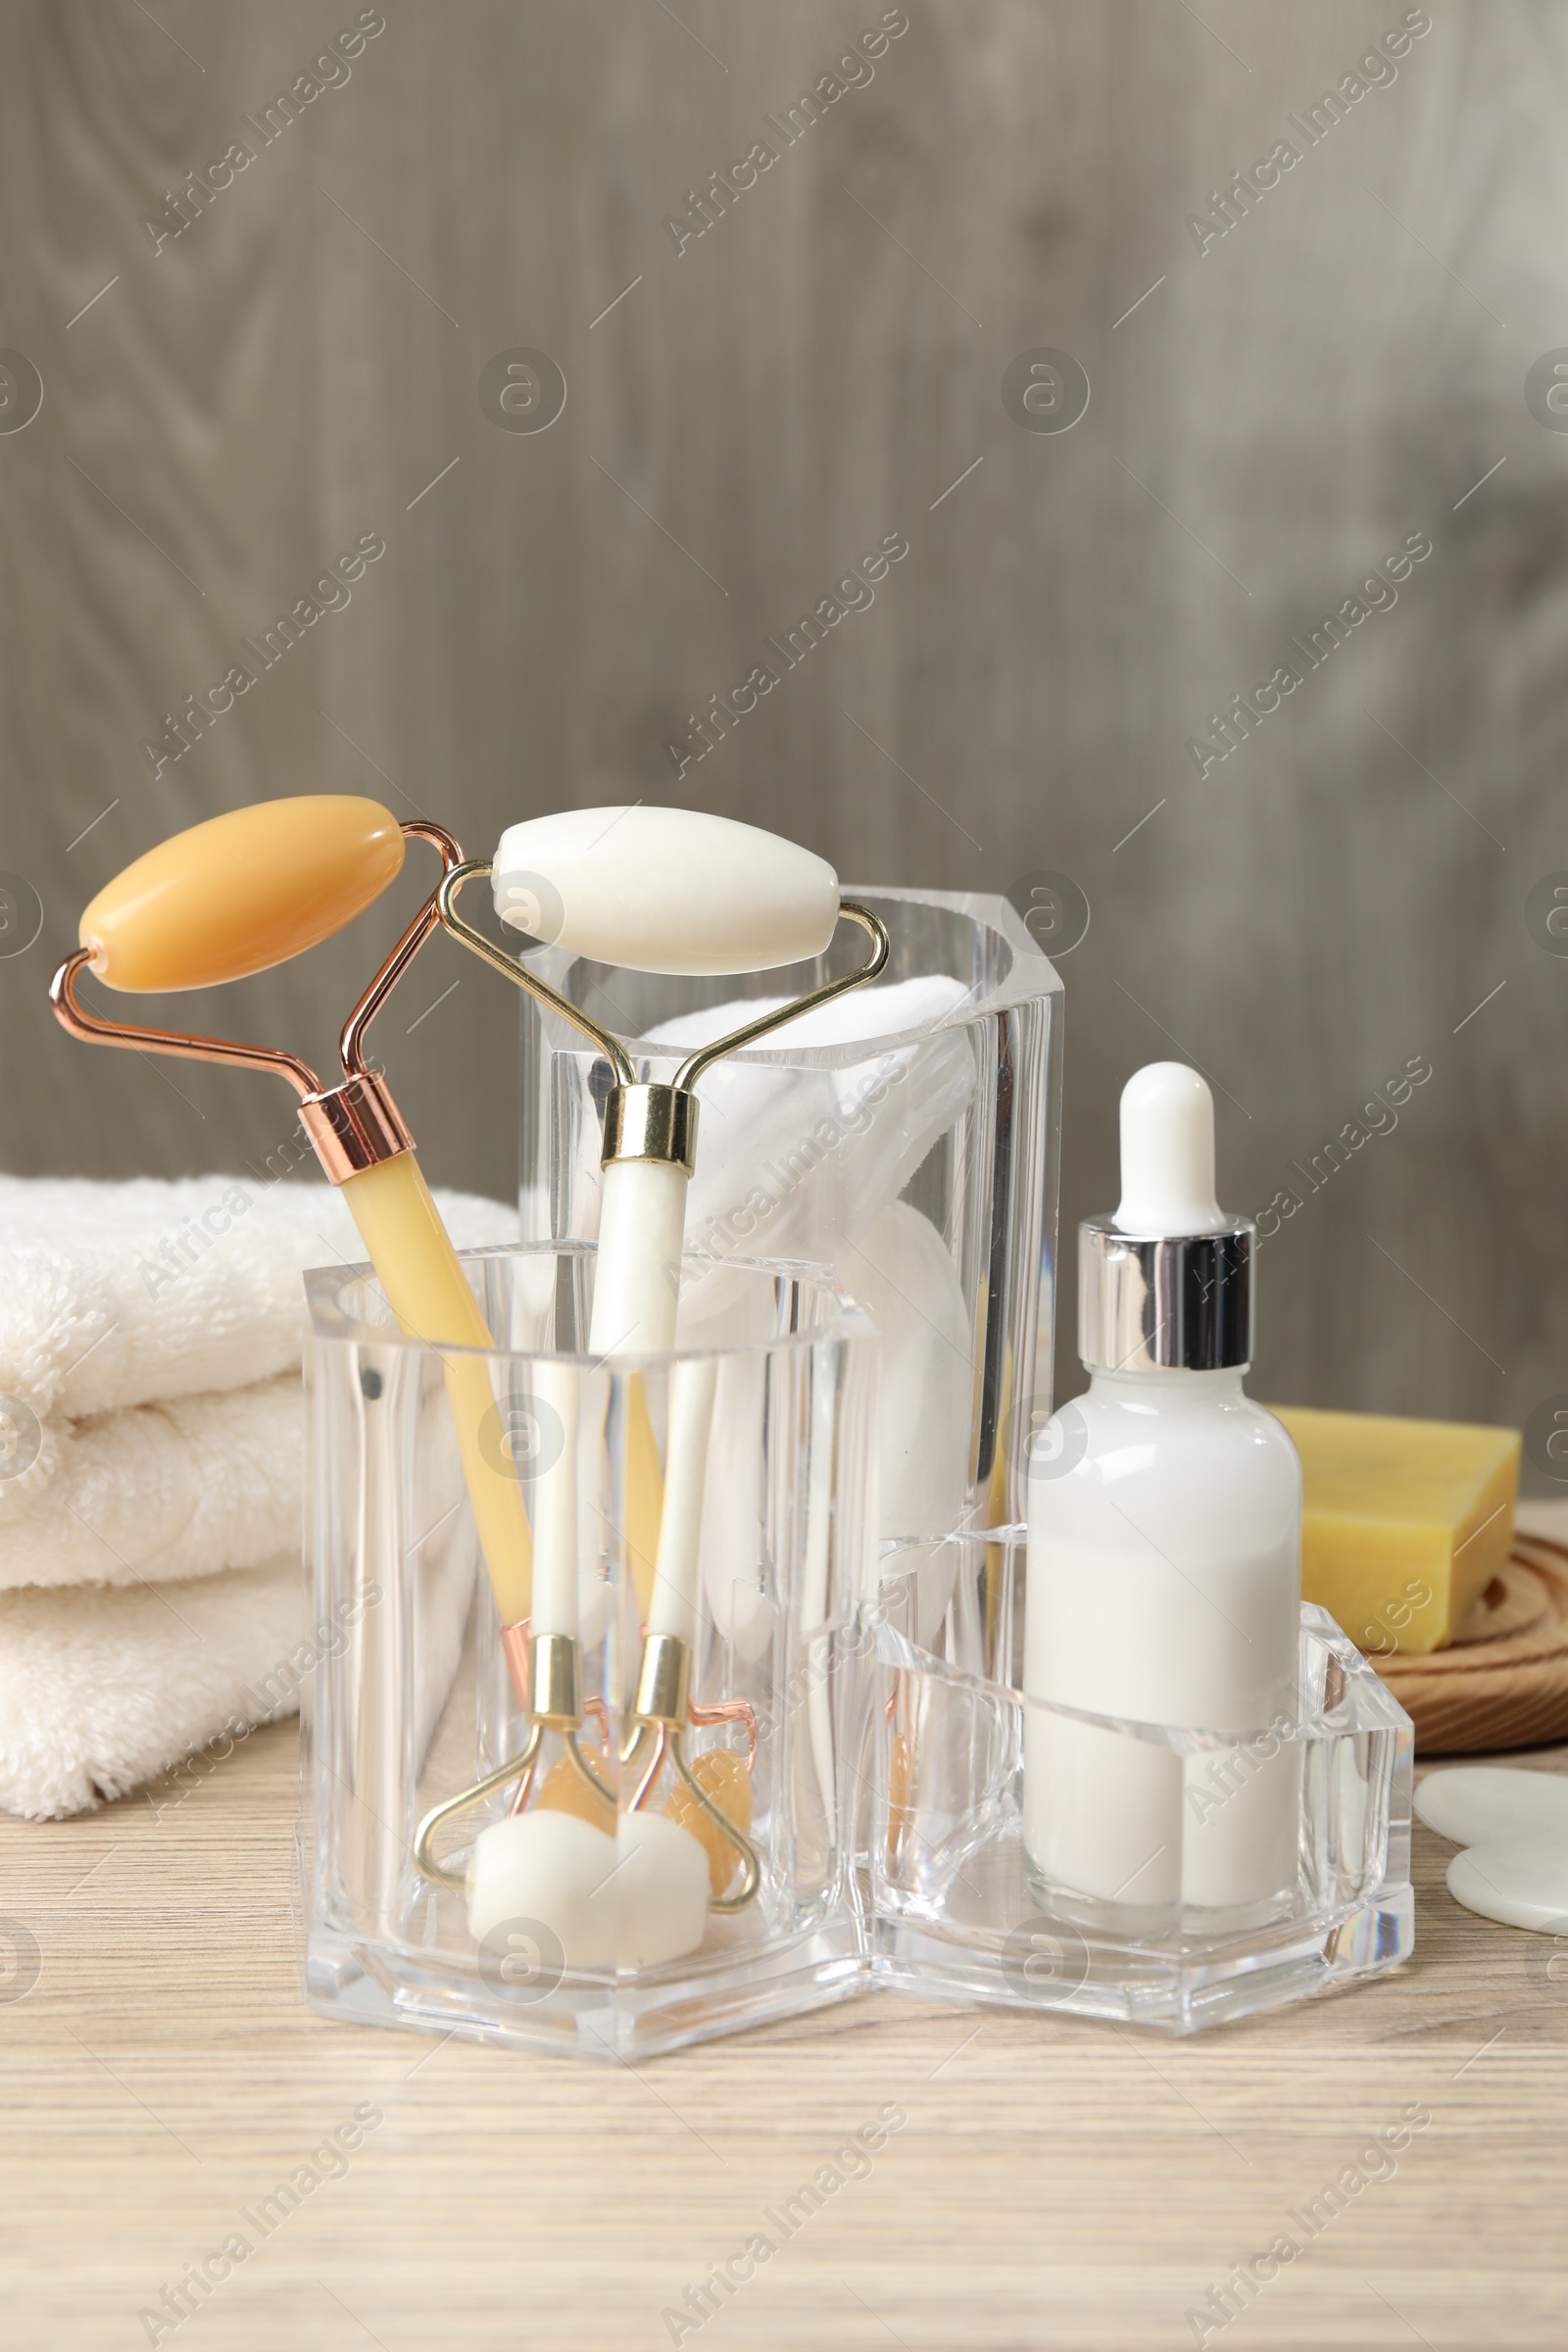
(906, 1137)
(413, 1701)
(959, 1911)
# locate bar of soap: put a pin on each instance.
(1405, 1522)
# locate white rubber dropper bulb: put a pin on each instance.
(1167, 1152)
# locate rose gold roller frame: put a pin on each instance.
(352, 1126)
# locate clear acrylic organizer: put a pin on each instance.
(960, 1912)
(906, 1137)
(419, 1703)
(869, 1279)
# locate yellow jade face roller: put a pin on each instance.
(657, 890)
(238, 895)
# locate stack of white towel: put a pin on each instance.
(152, 1461)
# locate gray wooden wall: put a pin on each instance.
(1279, 412)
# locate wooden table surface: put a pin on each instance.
(1055, 2184)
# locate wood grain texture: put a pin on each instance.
(1505, 1682)
(1054, 2182)
(1329, 902)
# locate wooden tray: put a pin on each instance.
(1504, 1682)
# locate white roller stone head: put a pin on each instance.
(665, 890)
(549, 1870)
(1167, 1153)
(627, 1901)
(664, 1885)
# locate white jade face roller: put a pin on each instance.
(656, 890)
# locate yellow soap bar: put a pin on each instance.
(1407, 1522)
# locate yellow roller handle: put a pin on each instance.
(645, 1494)
(428, 1292)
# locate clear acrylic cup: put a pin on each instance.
(906, 1137)
(962, 1913)
(419, 1697)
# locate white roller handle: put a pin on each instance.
(555, 1508)
(692, 1383)
(642, 1230)
(665, 890)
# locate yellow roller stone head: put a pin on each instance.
(241, 891)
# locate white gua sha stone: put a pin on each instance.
(1473, 1803)
(1514, 1826)
(627, 1901)
(1518, 1880)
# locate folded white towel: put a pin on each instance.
(102, 1692)
(151, 1456)
(114, 1295)
(162, 1492)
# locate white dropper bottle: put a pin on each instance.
(1164, 1581)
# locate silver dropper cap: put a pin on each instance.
(1167, 1284)
(1164, 1302)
